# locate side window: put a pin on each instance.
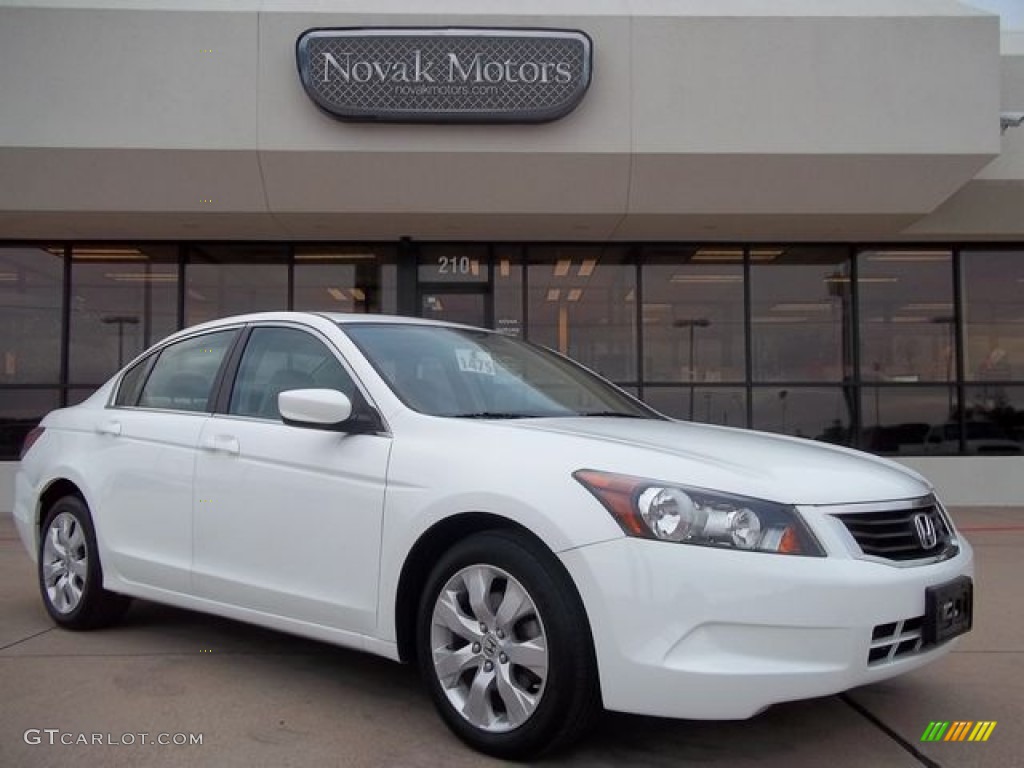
(132, 381)
(182, 378)
(278, 359)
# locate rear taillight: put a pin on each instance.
(30, 440)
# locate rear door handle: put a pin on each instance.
(109, 428)
(221, 444)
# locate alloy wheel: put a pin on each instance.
(489, 648)
(65, 566)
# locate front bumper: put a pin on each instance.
(700, 633)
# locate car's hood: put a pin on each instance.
(785, 469)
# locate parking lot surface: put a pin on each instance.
(254, 697)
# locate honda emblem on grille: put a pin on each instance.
(926, 533)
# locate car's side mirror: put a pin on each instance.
(328, 409)
(315, 408)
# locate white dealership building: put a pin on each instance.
(804, 216)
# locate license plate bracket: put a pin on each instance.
(949, 610)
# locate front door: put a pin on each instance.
(288, 520)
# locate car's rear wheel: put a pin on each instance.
(70, 575)
(504, 646)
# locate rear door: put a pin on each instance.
(144, 460)
(287, 519)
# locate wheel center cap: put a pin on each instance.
(489, 646)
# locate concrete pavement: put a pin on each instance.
(260, 698)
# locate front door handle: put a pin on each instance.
(222, 444)
(109, 428)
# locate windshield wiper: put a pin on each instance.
(491, 415)
(615, 414)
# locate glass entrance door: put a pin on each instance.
(455, 284)
(461, 307)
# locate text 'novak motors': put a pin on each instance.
(445, 75)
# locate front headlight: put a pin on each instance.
(650, 509)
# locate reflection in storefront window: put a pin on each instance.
(31, 287)
(801, 314)
(994, 420)
(693, 319)
(222, 280)
(993, 287)
(907, 318)
(123, 299)
(341, 278)
(818, 413)
(582, 303)
(725, 406)
(904, 420)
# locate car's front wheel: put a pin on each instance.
(70, 576)
(504, 647)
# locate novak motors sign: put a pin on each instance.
(445, 75)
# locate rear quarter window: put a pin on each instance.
(131, 383)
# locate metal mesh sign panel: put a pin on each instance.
(445, 75)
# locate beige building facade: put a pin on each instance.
(792, 215)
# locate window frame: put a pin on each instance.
(233, 365)
(232, 381)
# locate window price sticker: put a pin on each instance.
(475, 361)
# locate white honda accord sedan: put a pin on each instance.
(539, 542)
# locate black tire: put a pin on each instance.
(566, 698)
(70, 574)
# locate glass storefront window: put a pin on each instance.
(820, 413)
(907, 319)
(993, 298)
(20, 411)
(904, 420)
(801, 318)
(726, 406)
(582, 303)
(692, 315)
(31, 296)
(389, 289)
(995, 419)
(341, 278)
(682, 305)
(222, 280)
(508, 290)
(123, 299)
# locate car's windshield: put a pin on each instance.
(467, 373)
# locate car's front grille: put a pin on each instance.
(893, 641)
(902, 534)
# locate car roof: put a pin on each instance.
(347, 318)
(339, 318)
